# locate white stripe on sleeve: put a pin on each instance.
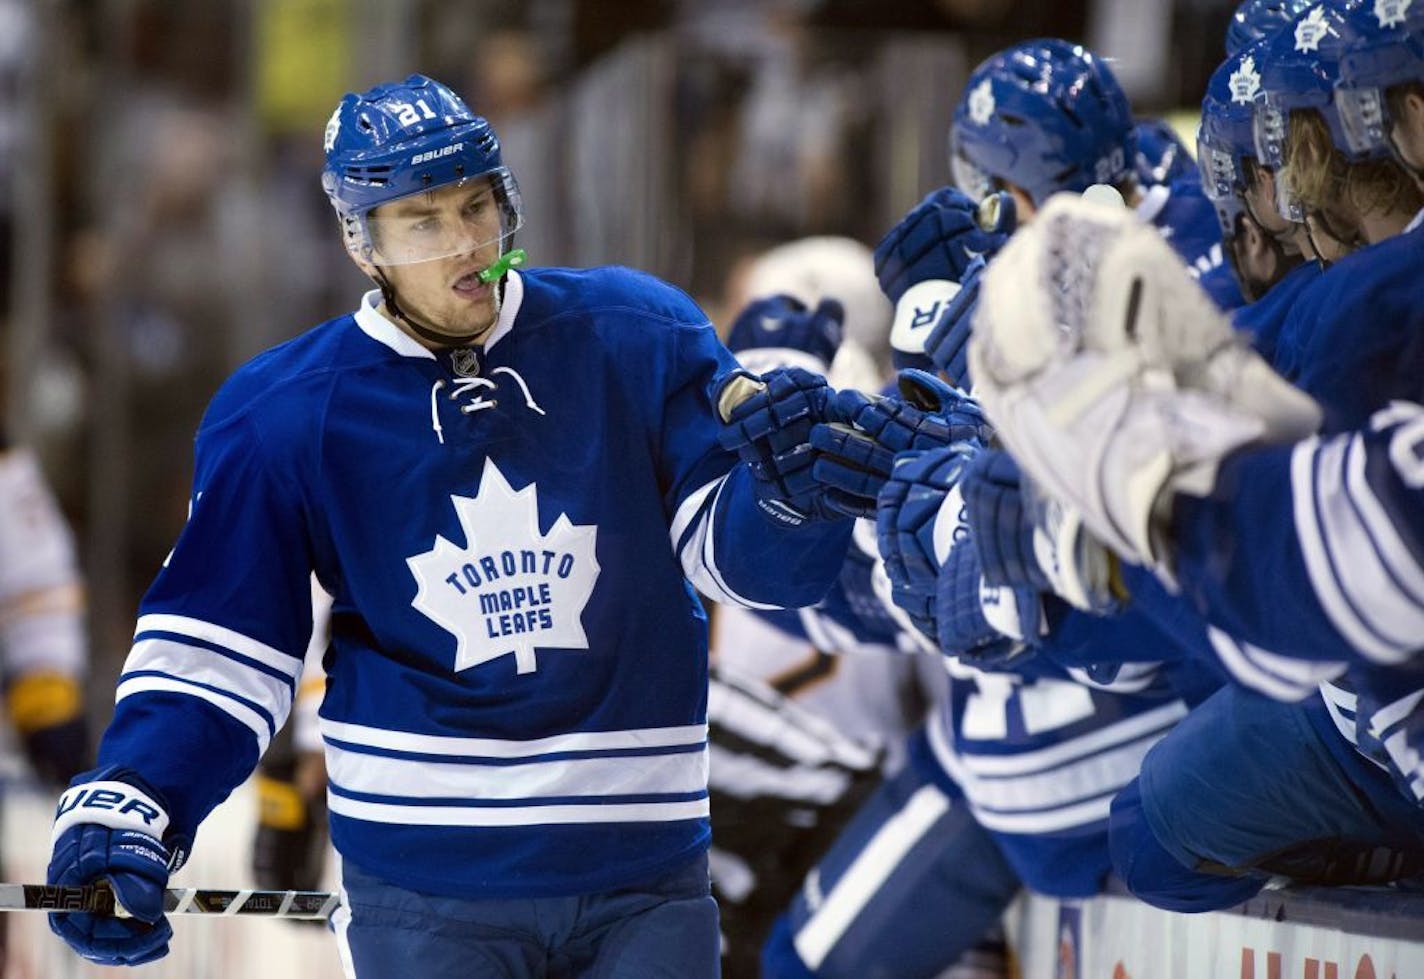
(1278, 677)
(698, 555)
(241, 712)
(1336, 516)
(199, 665)
(227, 638)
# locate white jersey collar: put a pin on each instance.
(376, 326)
(1153, 201)
(1415, 223)
(509, 308)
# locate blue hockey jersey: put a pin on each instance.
(1356, 340)
(516, 683)
(1336, 524)
(1267, 318)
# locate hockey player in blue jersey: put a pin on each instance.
(510, 484)
(1172, 846)
(1353, 197)
(1013, 775)
(1041, 117)
(1046, 116)
(1369, 328)
(1269, 254)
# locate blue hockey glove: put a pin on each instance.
(919, 517)
(979, 623)
(767, 421)
(1003, 524)
(110, 825)
(936, 240)
(1025, 541)
(780, 332)
(857, 452)
(948, 343)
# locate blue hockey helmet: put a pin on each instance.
(1045, 116)
(407, 138)
(1226, 139)
(1257, 19)
(1387, 50)
(1161, 157)
(1299, 67)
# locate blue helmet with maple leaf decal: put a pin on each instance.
(405, 138)
(1046, 116)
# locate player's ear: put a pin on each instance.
(1251, 238)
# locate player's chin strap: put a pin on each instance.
(1349, 242)
(495, 273)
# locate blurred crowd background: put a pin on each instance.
(162, 218)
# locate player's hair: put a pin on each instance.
(1320, 175)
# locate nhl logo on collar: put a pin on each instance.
(1391, 13)
(1245, 82)
(465, 362)
(981, 103)
(1311, 30)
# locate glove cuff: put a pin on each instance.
(112, 803)
(764, 360)
(917, 312)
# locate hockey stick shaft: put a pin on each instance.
(98, 898)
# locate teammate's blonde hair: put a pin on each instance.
(1322, 178)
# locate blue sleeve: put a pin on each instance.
(1315, 551)
(218, 647)
(1114, 652)
(729, 548)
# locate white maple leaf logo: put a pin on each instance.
(333, 126)
(1245, 82)
(981, 103)
(1311, 30)
(510, 589)
(1391, 13)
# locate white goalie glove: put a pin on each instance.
(1111, 376)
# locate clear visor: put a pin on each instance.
(969, 178)
(1220, 177)
(458, 218)
(1364, 119)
